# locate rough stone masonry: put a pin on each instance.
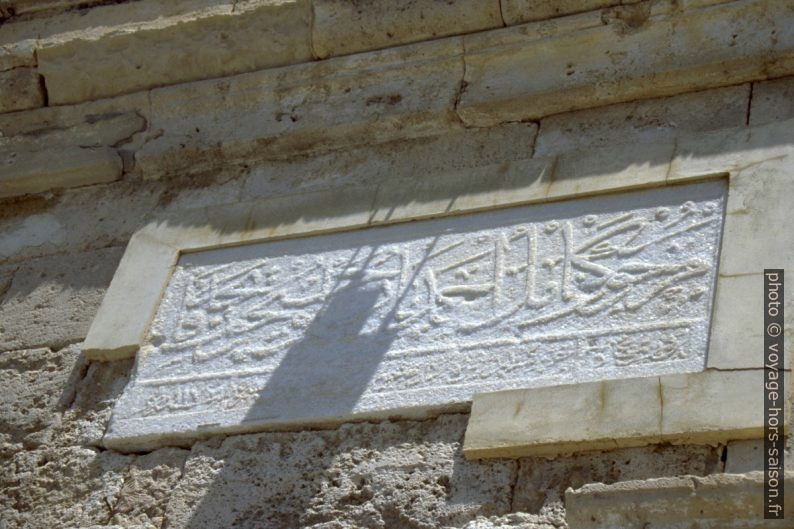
(116, 118)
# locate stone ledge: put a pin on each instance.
(711, 502)
(709, 407)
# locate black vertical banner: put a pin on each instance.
(774, 394)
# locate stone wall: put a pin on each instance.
(117, 113)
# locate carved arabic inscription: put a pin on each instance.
(424, 314)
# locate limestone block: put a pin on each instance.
(704, 407)
(644, 121)
(106, 123)
(481, 188)
(148, 484)
(52, 300)
(405, 474)
(592, 171)
(456, 151)
(758, 206)
(715, 405)
(541, 481)
(17, 54)
(81, 487)
(520, 11)
(712, 502)
(87, 482)
(745, 456)
(772, 101)
(254, 36)
(656, 55)
(404, 92)
(407, 290)
(342, 27)
(737, 333)
(120, 48)
(85, 421)
(595, 417)
(37, 385)
(26, 172)
(20, 89)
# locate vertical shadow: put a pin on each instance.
(328, 369)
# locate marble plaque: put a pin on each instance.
(414, 317)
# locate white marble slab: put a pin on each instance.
(405, 319)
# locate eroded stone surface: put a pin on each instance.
(393, 474)
(51, 301)
(411, 317)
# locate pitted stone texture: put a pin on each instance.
(148, 484)
(542, 482)
(391, 474)
(644, 121)
(38, 384)
(402, 319)
(60, 488)
(52, 300)
(85, 420)
(56, 398)
(20, 89)
(342, 26)
(772, 100)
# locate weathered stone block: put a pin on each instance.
(519, 11)
(772, 101)
(87, 480)
(711, 502)
(716, 405)
(81, 487)
(389, 474)
(20, 89)
(37, 384)
(342, 27)
(405, 92)
(737, 333)
(26, 172)
(541, 482)
(509, 77)
(644, 121)
(707, 407)
(457, 151)
(118, 49)
(51, 301)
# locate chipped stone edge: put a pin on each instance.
(131, 301)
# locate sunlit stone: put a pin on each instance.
(416, 317)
